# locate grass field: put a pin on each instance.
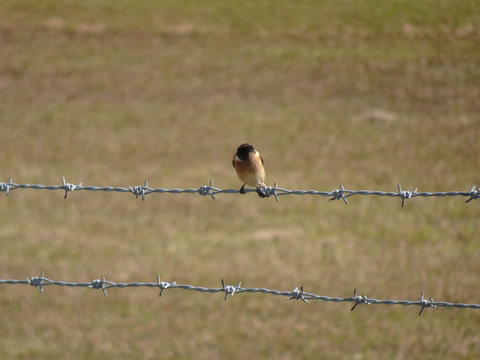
(367, 94)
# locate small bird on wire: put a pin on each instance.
(249, 167)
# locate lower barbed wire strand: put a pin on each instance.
(296, 294)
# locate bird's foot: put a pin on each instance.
(242, 189)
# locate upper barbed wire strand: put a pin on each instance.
(210, 190)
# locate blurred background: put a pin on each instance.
(366, 94)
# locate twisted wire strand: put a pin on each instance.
(211, 191)
(296, 294)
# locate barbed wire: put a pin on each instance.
(204, 190)
(295, 294)
(268, 191)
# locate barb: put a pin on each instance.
(229, 289)
(296, 294)
(359, 300)
(140, 190)
(339, 194)
(163, 285)
(426, 303)
(269, 191)
(207, 190)
(474, 193)
(405, 194)
(275, 191)
(100, 284)
(68, 187)
(6, 186)
(35, 281)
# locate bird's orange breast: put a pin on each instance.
(251, 171)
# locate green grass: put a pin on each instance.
(361, 93)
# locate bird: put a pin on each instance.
(249, 167)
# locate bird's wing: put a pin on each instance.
(261, 159)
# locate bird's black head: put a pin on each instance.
(243, 151)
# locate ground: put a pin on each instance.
(364, 94)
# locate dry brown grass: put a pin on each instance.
(360, 93)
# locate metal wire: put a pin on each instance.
(295, 294)
(210, 190)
